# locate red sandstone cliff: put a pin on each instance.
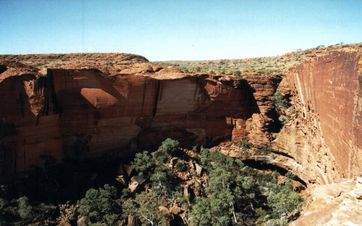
(325, 133)
(114, 101)
(138, 104)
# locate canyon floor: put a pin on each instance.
(228, 142)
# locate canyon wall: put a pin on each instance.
(60, 113)
(77, 110)
(324, 134)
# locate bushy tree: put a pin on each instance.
(216, 209)
(222, 207)
(24, 208)
(219, 180)
(100, 206)
(201, 212)
(227, 186)
(161, 180)
(145, 206)
(212, 160)
(169, 145)
(143, 163)
(235, 194)
(283, 200)
(205, 158)
(165, 150)
(160, 156)
(3, 204)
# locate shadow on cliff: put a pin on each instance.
(58, 183)
(18, 108)
(262, 165)
(250, 99)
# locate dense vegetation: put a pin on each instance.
(172, 186)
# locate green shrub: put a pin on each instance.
(99, 205)
(283, 221)
(201, 212)
(181, 167)
(3, 204)
(245, 144)
(217, 209)
(160, 156)
(145, 207)
(284, 200)
(167, 148)
(237, 73)
(143, 163)
(279, 101)
(204, 157)
(169, 145)
(162, 180)
(24, 208)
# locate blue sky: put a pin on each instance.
(177, 29)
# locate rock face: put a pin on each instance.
(264, 121)
(62, 112)
(339, 203)
(325, 133)
(92, 104)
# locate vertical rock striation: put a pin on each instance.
(325, 133)
(62, 112)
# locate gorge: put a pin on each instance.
(89, 105)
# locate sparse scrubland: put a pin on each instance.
(264, 66)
